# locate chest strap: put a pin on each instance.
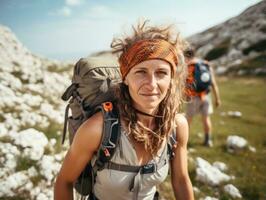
(142, 169)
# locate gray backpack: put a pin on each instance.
(92, 90)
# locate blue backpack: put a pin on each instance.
(202, 77)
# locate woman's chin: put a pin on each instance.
(150, 106)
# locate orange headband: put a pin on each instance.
(146, 50)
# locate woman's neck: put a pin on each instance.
(147, 121)
(147, 118)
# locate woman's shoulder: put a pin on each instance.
(93, 123)
(181, 119)
(90, 132)
(181, 128)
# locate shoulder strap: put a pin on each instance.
(110, 136)
(170, 145)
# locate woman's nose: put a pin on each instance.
(151, 81)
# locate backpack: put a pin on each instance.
(199, 77)
(91, 91)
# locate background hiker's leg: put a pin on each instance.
(207, 126)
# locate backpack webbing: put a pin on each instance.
(111, 134)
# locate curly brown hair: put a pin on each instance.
(152, 139)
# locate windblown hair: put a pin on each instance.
(170, 106)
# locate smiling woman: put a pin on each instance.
(148, 100)
(148, 83)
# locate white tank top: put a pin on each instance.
(115, 185)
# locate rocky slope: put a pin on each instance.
(31, 118)
(238, 45)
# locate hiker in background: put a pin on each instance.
(152, 68)
(200, 81)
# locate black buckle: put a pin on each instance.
(149, 168)
(99, 164)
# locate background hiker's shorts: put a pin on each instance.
(196, 105)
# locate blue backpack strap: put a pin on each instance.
(110, 136)
(170, 145)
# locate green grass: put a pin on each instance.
(24, 163)
(247, 95)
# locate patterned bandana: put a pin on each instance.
(146, 50)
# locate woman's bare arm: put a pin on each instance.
(179, 170)
(85, 143)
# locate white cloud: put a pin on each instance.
(73, 2)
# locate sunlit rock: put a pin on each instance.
(234, 113)
(9, 155)
(235, 142)
(232, 191)
(33, 143)
(209, 198)
(220, 165)
(252, 149)
(208, 174)
(9, 185)
(49, 167)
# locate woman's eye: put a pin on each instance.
(140, 72)
(162, 72)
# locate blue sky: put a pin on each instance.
(69, 29)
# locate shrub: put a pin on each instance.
(259, 46)
(220, 50)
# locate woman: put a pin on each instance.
(149, 99)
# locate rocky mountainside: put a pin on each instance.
(31, 120)
(238, 45)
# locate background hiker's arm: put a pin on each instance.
(85, 143)
(215, 89)
(179, 170)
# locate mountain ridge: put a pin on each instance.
(237, 45)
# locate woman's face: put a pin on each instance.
(148, 83)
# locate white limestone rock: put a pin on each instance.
(208, 174)
(232, 191)
(9, 154)
(9, 185)
(32, 172)
(209, 198)
(3, 130)
(33, 143)
(252, 149)
(236, 114)
(49, 167)
(235, 142)
(220, 165)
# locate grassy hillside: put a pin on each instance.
(247, 95)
